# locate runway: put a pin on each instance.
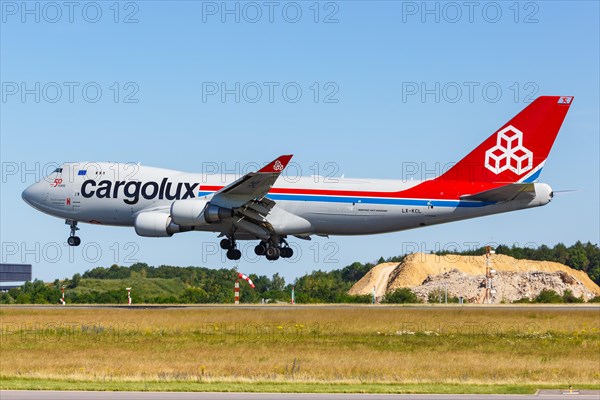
(58, 395)
(582, 307)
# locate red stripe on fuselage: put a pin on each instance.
(433, 189)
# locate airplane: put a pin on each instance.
(500, 175)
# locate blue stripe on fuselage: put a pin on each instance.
(372, 200)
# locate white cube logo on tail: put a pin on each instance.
(278, 166)
(509, 153)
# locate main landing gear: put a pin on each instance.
(230, 245)
(73, 239)
(272, 251)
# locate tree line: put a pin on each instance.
(202, 285)
(206, 285)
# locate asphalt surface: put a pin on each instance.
(437, 307)
(47, 395)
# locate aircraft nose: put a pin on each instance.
(32, 195)
(27, 194)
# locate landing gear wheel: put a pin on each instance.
(73, 240)
(260, 249)
(234, 254)
(226, 244)
(272, 253)
(286, 252)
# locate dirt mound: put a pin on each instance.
(464, 276)
(378, 276)
(510, 286)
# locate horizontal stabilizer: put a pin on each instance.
(503, 193)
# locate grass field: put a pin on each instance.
(159, 287)
(376, 349)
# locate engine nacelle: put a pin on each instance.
(155, 224)
(194, 212)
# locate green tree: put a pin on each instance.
(560, 253)
(401, 295)
(6, 298)
(548, 296)
(355, 271)
(75, 281)
(39, 298)
(194, 295)
(577, 257)
(277, 282)
(522, 300)
(353, 299)
(23, 298)
(568, 297)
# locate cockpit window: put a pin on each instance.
(59, 170)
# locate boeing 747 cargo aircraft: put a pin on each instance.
(500, 175)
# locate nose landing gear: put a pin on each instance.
(73, 239)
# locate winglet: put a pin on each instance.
(276, 166)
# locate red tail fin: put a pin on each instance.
(517, 151)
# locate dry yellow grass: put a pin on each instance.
(304, 344)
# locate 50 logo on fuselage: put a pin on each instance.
(132, 190)
(57, 182)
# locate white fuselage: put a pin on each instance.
(113, 194)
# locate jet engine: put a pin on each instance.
(155, 224)
(194, 212)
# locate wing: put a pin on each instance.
(247, 206)
(252, 187)
(247, 198)
(503, 193)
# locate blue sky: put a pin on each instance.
(161, 67)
